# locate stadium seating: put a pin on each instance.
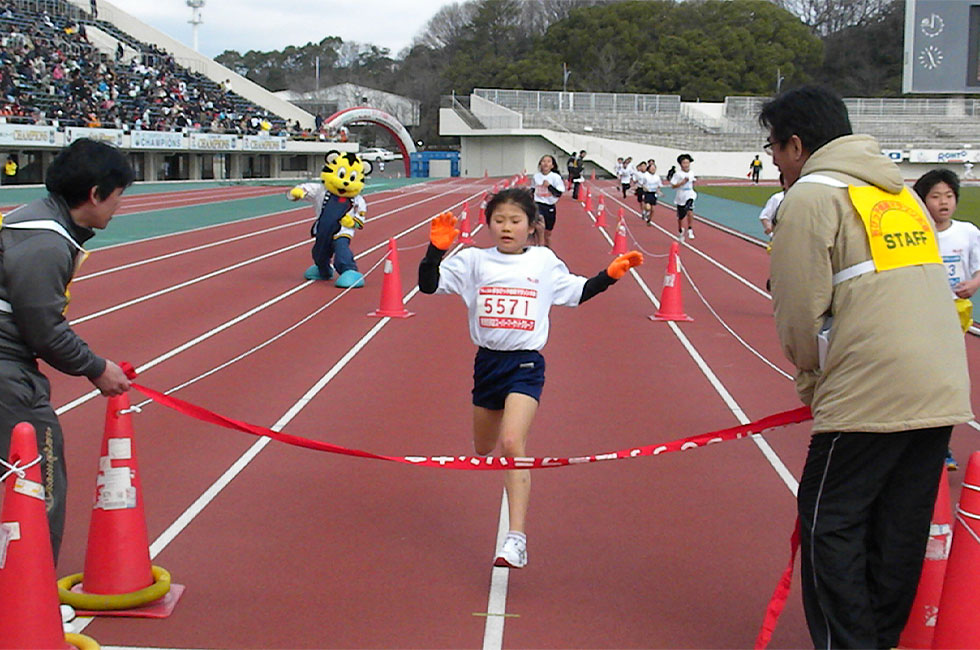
(50, 73)
(664, 120)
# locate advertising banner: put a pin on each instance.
(27, 135)
(109, 136)
(157, 140)
(214, 142)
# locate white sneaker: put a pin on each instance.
(690, 234)
(513, 553)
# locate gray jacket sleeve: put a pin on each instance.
(37, 272)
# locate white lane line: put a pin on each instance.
(710, 259)
(232, 267)
(186, 517)
(760, 441)
(193, 249)
(259, 216)
(493, 629)
(234, 321)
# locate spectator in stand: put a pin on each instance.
(10, 171)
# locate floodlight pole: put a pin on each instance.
(196, 19)
(779, 80)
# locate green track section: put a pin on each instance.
(126, 228)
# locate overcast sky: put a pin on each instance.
(273, 24)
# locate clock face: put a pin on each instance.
(932, 25)
(930, 57)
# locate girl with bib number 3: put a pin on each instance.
(509, 290)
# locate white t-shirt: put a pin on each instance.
(959, 246)
(651, 182)
(769, 212)
(509, 296)
(686, 191)
(541, 183)
(624, 173)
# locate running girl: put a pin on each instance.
(684, 198)
(639, 173)
(548, 187)
(509, 290)
(625, 174)
(651, 188)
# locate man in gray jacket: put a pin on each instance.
(861, 311)
(40, 250)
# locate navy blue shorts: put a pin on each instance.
(682, 210)
(496, 374)
(548, 213)
(650, 197)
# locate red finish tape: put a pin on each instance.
(801, 414)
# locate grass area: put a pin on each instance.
(751, 194)
(967, 210)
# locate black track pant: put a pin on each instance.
(865, 504)
(25, 397)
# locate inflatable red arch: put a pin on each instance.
(384, 120)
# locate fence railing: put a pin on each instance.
(525, 101)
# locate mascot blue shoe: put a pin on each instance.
(349, 278)
(340, 212)
(313, 273)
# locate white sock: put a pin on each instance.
(517, 535)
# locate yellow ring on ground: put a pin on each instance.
(109, 602)
(82, 642)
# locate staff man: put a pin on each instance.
(862, 310)
(40, 250)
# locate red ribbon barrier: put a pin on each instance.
(779, 595)
(794, 416)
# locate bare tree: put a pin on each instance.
(447, 26)
(827, 17)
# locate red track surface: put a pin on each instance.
(305, 549)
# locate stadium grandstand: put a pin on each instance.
(53, 72)
(65, 73)
(609, 125)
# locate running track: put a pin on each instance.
(281, 547)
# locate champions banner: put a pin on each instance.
(794, 416)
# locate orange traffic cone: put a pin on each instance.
(29, 613)
(486, 174)
(391, 288)
(619, 241)
(958, 625)
(588, 199)
(921, 625)
(118, 579)
(600, 213)
(671, 303)
(593, 174)
(464, 226)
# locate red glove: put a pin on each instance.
(624, 263)
(443, 231)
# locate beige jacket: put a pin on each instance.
(896, 358)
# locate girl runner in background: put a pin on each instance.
(639, 174)
(509, 290)
(651, 187)
(625, 175)
(683, 182)
(548, 187)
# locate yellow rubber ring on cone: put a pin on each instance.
(82, 642)
(110, 602)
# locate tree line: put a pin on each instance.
(698, 49)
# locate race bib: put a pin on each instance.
(508, 308)
(898, 231)
(541, 191)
